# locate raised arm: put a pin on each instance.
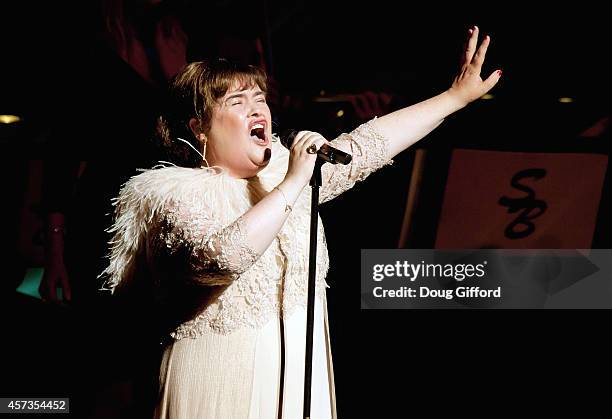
(406, 126)
(376, 142)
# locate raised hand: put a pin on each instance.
(468, 85)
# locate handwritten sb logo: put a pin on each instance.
(531, 207)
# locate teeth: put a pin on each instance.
(257, 126)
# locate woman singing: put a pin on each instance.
(220, 238)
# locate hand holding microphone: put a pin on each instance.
(325, 152)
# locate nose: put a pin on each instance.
(255, 111)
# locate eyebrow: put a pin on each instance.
(242, 95)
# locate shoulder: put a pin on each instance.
(166, 184)
(163, 179)
(154, 192)
(173, 191)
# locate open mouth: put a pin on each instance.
(258, 134)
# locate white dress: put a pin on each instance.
(205, 377)
(238, 318)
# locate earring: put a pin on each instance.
(203, 140)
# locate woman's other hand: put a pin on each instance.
(468, 85)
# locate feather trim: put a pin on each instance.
(144, 197)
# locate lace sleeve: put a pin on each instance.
(369, 150)
(200, 248)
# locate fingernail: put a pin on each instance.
(499, 73)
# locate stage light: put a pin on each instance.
(566, 100)
(340, 113)
(9, 119)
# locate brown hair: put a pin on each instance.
(193, 93)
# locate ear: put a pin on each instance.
(194, 126)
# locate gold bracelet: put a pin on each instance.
(287, 206)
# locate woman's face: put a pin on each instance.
(240, 132)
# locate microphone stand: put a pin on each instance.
(315, 184)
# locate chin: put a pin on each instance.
(252, 171)
(252, 165)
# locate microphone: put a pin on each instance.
(328, 153)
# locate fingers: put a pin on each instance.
(298, 143)
(479, 57)
(316, 139)
(465, 47)
(468, 84)
(492, 80)
(471, 46)
(301, 161)
(305, 139)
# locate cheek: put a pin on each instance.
(228, 120)
(228, 130)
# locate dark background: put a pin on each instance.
(389, 362)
